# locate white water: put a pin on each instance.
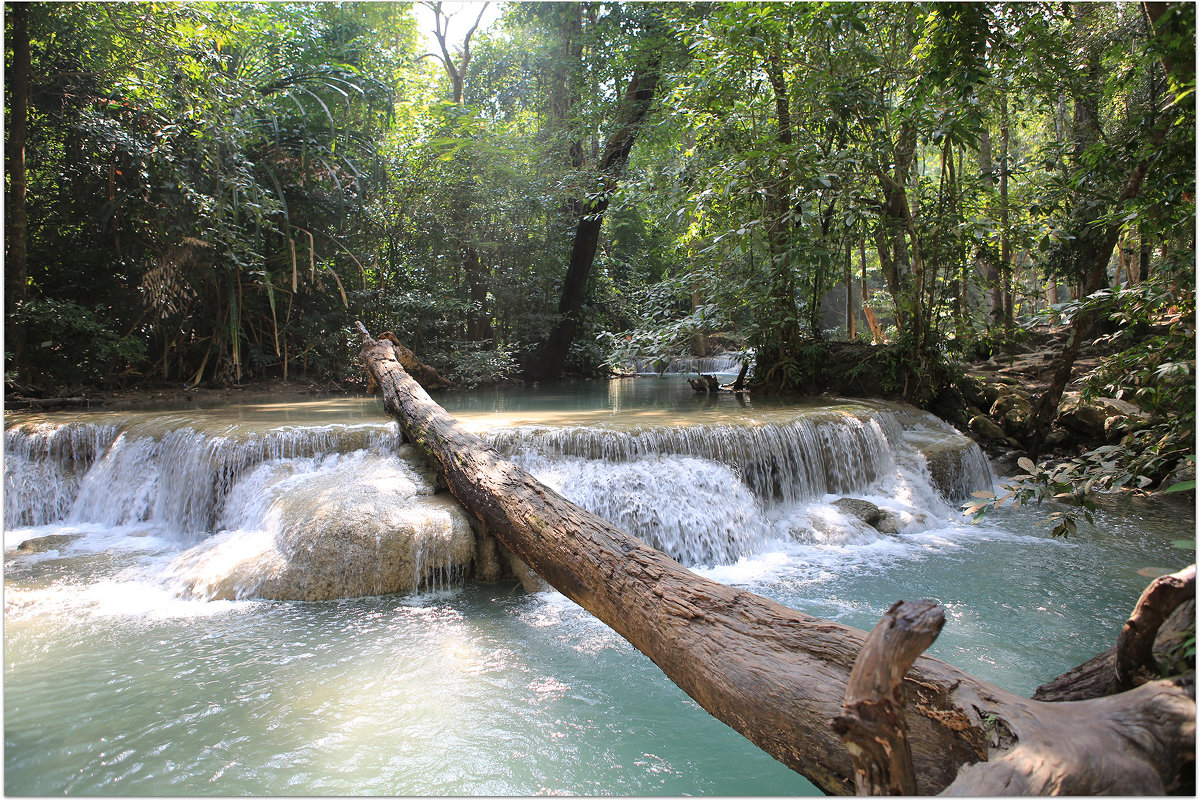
(118, 682)
(720, 364)
(706, 494)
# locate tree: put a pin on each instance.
(628, 121)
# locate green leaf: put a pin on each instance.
(1182, 486)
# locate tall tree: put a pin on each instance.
(630, 117)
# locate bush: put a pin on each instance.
(70, 343)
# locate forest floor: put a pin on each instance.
(1034, 362)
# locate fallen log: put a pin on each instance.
(777, 675)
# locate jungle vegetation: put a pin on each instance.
(213, 192)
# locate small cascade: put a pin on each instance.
(696, 510)
(178, 479)
(324, 527)
(820, 452)
(43, 467)
(686, 365)
(341, 510)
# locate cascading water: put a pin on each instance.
(709, 494)
(135, 664)
(720, 364)
(705, 494)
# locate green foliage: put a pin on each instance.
(234, 184)
(1060, 483)
(76, 344)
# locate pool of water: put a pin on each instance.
(115, 685)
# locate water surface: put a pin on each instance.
(113, 684)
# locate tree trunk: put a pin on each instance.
(1006, 266)
(987, 257)
(776, 675)
(638, 97)
(17, 267)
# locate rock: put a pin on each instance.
(368, 527)
(487, 559)
(1115, 407)
(1012, 411)
(44, 544)
(1055, 439)
(973, 391)
(1083, 419)
(880, 519)
(957, 467)
(1115, 428)
(983, 427)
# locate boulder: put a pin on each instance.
(878, 518)
(1056, 439)
(1012, 411)
(983, 428)
(973, 391)
(366, 528)
(1115, 407)
(44, 544)
(1083, 419)
(957, 467)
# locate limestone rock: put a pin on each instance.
(1115, 407)
(1083, 419)
(43, 544)
(368, 527)
(1012, 411)
(973, 391)
(956, 466)
(878, 518)
(1055, 439)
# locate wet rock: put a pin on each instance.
(44, 544)
(880, 519)
(956, 467)
(372, 527)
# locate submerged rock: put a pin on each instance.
(44, 544)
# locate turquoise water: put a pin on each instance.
(114, 685)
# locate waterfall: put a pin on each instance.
(179, 479)
(818, 453)
(706, 494)
(686, 365)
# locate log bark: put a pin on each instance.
(872, 721)
(1135, 646)
(775, 674)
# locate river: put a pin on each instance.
(121, 678)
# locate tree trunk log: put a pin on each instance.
(1135, 646)
(872, 721)
(775, 674)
